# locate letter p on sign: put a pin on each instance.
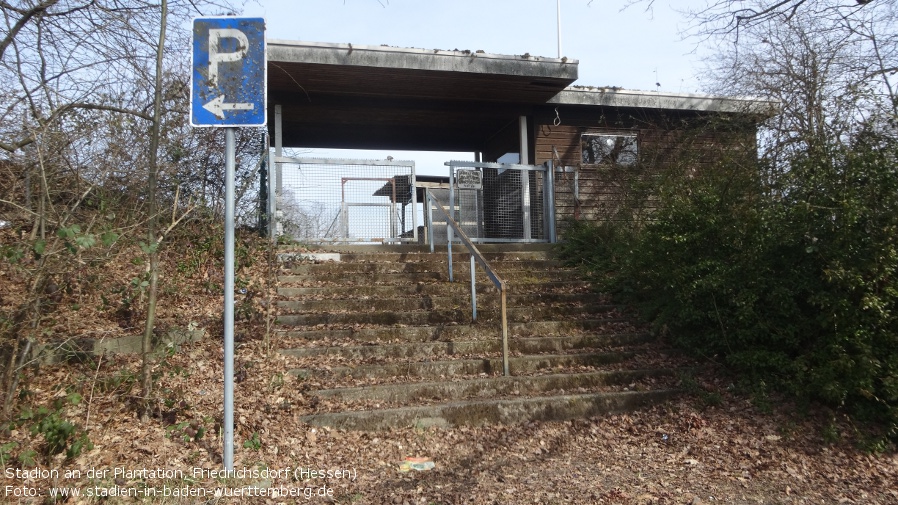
(216, 55)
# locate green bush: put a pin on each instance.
(791, 284)
(59, 434)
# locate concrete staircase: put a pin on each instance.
(382, 338)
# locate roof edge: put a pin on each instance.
(288, 51)
(619, 97)
(384, 48)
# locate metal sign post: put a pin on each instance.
(228, 431)
(228, 89)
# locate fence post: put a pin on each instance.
(449, 234)
(550, 199)
(429, 203)
(275, 175)
(525, 178)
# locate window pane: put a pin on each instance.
(600, 149)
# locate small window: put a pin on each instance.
(605, 149)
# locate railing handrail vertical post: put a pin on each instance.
(476, 256)
(504, 332)
(429, 218)
(451, 278)
(473, 290)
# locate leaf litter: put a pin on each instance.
(685, 451)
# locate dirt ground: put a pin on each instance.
(74, 427)
(709, 446)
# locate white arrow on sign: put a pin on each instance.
(217, 106)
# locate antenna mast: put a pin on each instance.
(558, 15)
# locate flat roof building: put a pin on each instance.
(347, 96)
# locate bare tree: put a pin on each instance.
(729, 17)
(833, 75)
(91, 107)
(146, 379)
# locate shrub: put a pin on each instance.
(791, 284)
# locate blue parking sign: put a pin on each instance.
(229, 79)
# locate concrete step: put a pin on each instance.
(426, 302)
(488, 387)
(422, 289)
(414, 248)
(438, 316)
(319, 269)
(367, 279)
(493, 411)
(387, 317)
(446, 332)
(445, 368)
(421, 350)
(512, 277)
(437, 257)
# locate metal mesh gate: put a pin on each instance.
(357, 201)
(494, 202)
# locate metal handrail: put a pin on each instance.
(475, 256)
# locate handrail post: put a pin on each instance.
(429, 203)
(473, 290)
(476, 256)
(449, 237)
(504, 333)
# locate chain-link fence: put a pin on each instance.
(353, 201)
(496, 202)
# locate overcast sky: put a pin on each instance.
(629, 48)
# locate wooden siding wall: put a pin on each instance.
(686, 145)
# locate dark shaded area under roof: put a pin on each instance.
(366, 97)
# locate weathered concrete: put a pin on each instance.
(438, 257)
(322, 269)
(429, 60)
(491, 411)
(429, 316)
(457, 367)
(489, 387)
(430, 350)
(452, 331)
(558, 291)
(418, 318)
(398, 277)
(574, 288)
(76, 349)
(375, 278)
(409, 339)
(446, 316)
(619, 97)
(415, 301)
(369, 249)
(316, 257)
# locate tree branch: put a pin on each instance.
(26, 16)
(108, 108)
(56, 114)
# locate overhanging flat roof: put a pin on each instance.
(345, 95)
(422, 73)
